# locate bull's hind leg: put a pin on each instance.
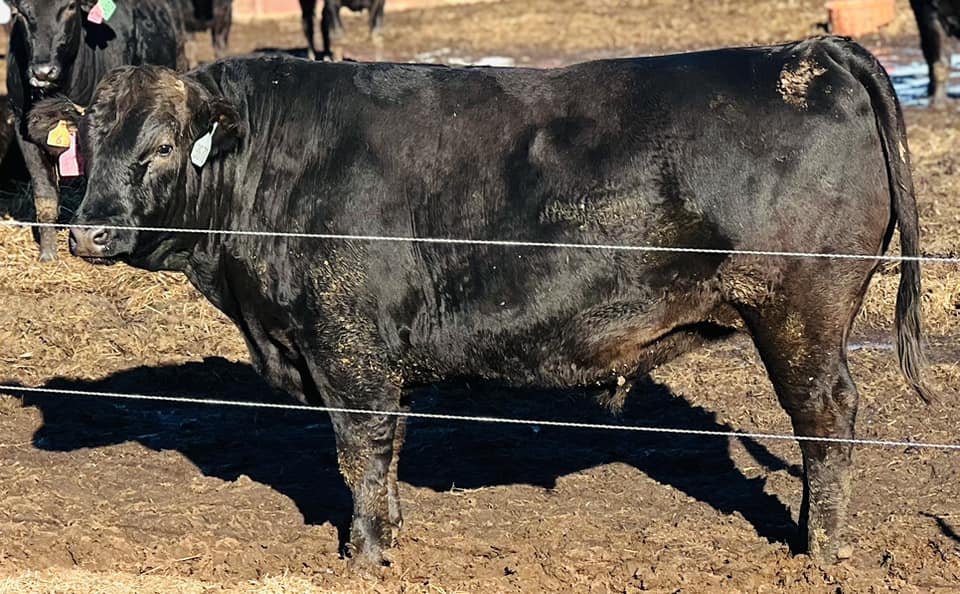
(800, 323)
(804, 352)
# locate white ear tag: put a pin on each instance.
(201, 148)
(5, 13)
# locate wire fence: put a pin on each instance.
(500, 243)
(486, 419)
(477, 419)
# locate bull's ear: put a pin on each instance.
(87, 5)
(229, 127)
(49, 119)
(220, 131)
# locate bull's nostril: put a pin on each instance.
(100, 237)
(45, 72)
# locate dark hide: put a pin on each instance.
(937, 21)
(788, 148)
(331, 26)
(213, 15)
(8, 125)
(53, 39)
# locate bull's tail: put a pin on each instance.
(893, 136)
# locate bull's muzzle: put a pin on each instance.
(90, 242)
(44, 75)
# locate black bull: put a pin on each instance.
(799, 147)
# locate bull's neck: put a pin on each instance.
(194, 204)
(207, 204)
(84, 73)
(207, 259)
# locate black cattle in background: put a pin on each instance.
(213, 15)
(938, 21)
(56, 51)
(7, 128)
(331, 26)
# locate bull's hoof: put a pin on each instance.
(48, 255)
(364, 557)
(369, 538)
(828, 551)
(361, 566)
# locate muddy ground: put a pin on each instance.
(105, 496)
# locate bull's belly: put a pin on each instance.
(586, 350)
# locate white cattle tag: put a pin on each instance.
(201, 148)
(5, 13)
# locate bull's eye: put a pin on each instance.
(164, 150)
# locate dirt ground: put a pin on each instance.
(107, 496)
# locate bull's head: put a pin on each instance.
(136, 140)
(50, 33)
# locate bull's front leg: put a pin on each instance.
(367, 455)
(46, 195)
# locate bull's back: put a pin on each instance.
(723, 149)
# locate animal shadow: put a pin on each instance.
(293, 451)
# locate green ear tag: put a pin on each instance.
(108, 7)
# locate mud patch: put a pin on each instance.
(795, 81)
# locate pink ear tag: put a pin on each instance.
(70, 160)
(96, 14)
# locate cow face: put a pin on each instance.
(136, 140)
(50, 32)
